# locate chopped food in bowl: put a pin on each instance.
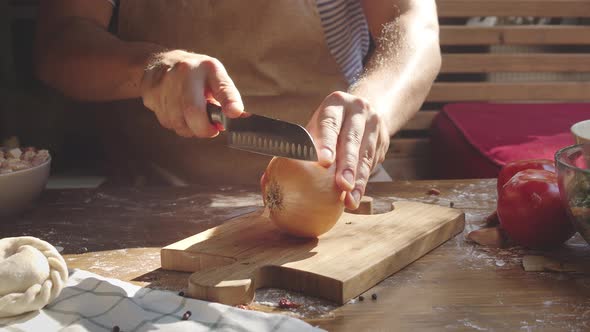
(23, 175)
(17, 159)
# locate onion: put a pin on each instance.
(301, 196)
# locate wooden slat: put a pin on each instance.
(548, 8)
(490, 63)
(421, 121)
(408, 147)
(408, 168)
(522, 91)
(515, 35)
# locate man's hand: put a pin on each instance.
(176, 88)
(348, 131)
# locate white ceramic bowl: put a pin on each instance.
(19, 189)
(581, 131)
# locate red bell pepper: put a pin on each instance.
(531, 212)
(511, 168)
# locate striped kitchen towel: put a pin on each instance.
(93, 303)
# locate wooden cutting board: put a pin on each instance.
(234, 259)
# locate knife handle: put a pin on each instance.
(215, 114)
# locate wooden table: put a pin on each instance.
(117, 232)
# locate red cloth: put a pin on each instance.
(473, 140)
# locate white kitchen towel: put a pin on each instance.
(93, 303)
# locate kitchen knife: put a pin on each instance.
(263, 135)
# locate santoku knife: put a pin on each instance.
(263, 135)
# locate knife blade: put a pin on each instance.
(263, 135)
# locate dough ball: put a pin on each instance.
(27, 266)
(33, 274)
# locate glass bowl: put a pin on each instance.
(573, 172)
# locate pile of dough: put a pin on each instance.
(32, 274)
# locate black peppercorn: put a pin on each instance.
(187, 315)
(181, 293)
(116, 328)
(452, 204)
(374, 296)
(361, 298)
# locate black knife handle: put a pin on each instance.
(215, 114)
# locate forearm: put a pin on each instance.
(85, 62)
(401, 71)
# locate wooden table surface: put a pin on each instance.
(117, 232)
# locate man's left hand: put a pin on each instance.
(347, 130)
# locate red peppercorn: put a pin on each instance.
(433, 191)
(287, 304)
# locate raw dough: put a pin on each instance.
(32, 272)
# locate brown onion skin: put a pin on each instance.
(302, 197)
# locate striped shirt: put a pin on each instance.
(346, 32)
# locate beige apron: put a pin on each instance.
(274, 50)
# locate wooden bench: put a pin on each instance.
(468, 64)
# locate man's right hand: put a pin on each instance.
(177, 85)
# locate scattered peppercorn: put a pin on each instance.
(361, 298)
(348, 222)
(181, 293)
(374, 296)
(452, 204)
(433, 191)
(287, 304)
(116, 328)
(187, 315)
